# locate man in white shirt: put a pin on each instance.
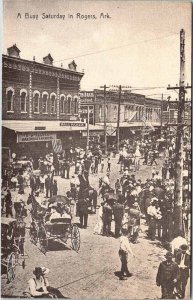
(124, 250)
(153, 216)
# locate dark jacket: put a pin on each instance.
(167, 272)
(186, 261)
(118, 211)
(48, 182)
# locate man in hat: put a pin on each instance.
(167, 276)
(38, 285)
(118, 211)
(183, 260)
(107, 216)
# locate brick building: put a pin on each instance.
(40, 102)
(136, 112)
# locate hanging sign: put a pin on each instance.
(35, 137)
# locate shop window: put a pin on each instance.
(9, 96)
(45, 103)
(23, 96)
(69, 104)
(53, 104)
(36, 98)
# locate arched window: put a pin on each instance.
(75, 105)
(9, 96)
(36, 98)
(53, 103)
(23, 95)
(62, 104)
(100, 111)
(115, 112)
(69, 98)
(45, 103)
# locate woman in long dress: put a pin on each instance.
(99, 225)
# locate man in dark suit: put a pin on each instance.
(183, 260)
(167, 276)
(48, 183)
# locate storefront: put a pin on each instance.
(35, 138)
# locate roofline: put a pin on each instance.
(42, 64)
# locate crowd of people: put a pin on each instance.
(120, 208)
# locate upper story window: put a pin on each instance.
(53, 103)
(100, 111)
(62, 103)
(36, 101)
(45, 103)
(69, 99)
(23, 96)
(75, 105)
(106, 111)
(9, 96)
(115, 113)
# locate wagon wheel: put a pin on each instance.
(75, 237)
(11, 266)
(43, 240)
(33, 234)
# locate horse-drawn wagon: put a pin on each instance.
(10, 250)
(44, 228)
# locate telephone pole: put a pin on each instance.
(118, 120)
(105, 122)
(88, 118)
(178, 189)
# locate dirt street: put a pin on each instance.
(91, 273)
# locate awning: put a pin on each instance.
(47, 126)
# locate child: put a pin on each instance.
(124, 250)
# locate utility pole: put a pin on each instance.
(118, 120)
(88, 118)
(105, 122)
(178, 189)
(161, 121)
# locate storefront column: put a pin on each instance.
(30, 94)
(58, 98)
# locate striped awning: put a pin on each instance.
(57, 146)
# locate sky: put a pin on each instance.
(137, 46)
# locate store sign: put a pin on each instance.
(35, 137)
(73, 124)
(93, 133)
(40, 128)
(111, 130)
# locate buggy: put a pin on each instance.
(59, 229)
(10, 252)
